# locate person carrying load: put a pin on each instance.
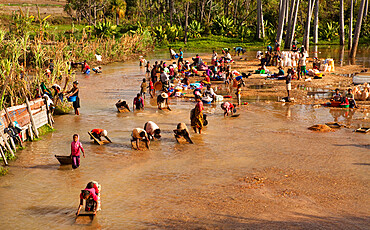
(92, 196)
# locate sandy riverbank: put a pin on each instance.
(257, 85)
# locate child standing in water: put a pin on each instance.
(76, 146)
(143, 87)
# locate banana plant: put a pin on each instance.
(223, 26)
(195, 29)
(160, 34)
(105, 29)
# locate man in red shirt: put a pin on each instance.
(98, 133)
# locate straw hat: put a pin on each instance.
(164, 95)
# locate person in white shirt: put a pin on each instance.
(153, 130)
(209, 92)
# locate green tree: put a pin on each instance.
(119, 8)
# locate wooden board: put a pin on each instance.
(183, 140)
(363, 130)
(334, 125)
(86, 213)
(123, 110)
(103, 142)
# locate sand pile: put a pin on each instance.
(320, 128)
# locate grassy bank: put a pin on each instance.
(219, 42)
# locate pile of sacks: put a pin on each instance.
(362, 92)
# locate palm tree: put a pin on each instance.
(260, 26)
(306, 37)
(350, 27)
(119, 7)
(282, 13)
(316, 23)
(341, 22)
(360, 16)
(291, 30)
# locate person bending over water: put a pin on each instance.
(182, 131)
(138, 135)
(99, 133)
(91, 195)
(153, 130)
(228, 108)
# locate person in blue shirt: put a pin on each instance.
(181, 57)
(239, 50)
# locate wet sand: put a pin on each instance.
(262, 170)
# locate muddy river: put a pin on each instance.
(308, 180)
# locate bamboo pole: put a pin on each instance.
(13, 144)
(48, 113)
(3, 156)
(7, 144)
(35, 131)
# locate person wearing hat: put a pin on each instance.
(138, 135)
(74, 92)
(182, 131)
(162, 101)
(98, 133)
(153, 130)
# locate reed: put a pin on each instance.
(25, 57)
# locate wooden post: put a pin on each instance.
(48, 113)
(30, 133)
(11, 125)
(13, 144)
(8, 116)
(36, 132)
(3, 156)
(7, 144)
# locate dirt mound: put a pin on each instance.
(320, 128)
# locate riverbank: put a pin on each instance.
(20, 123)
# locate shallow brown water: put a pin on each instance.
(151, 189)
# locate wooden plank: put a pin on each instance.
(96, 140)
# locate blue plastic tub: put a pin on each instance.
(72, 98)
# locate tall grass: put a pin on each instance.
(24, 58)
